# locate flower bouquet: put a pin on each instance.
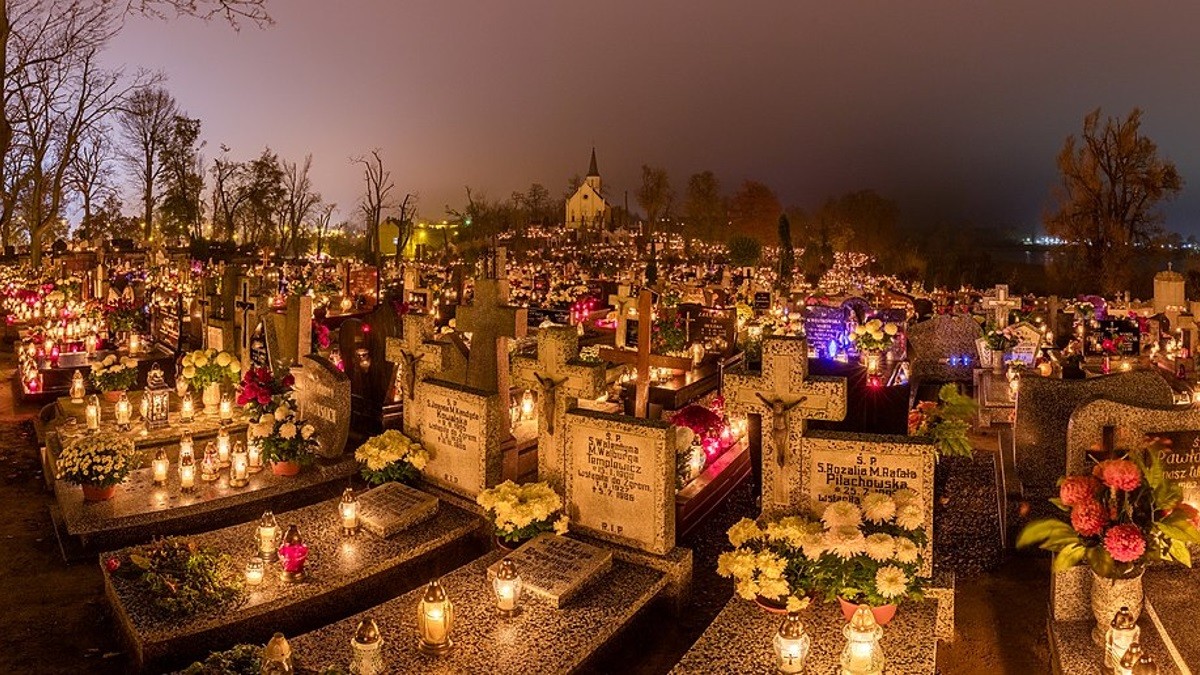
(391, 456)
(999, 340)
(875, 336)
(287, 442)
(114, 375)
(1126, 514)
(204, 367)
(261, 392)
(945, 421)
(521, 512)
(183, 579)
(98, 463)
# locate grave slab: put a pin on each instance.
(393, 507)
(556, 568)
(538, 639)
(344, 575)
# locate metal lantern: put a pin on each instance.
(507, 587)
(210, 466)
(366, 649)
(292, 554)
(277, 655)
(160, 465)
(239, 467)
(435, 619)
(862, 655)
(1122, 632)
(267, 536)
(348, 510)
(78, 388)
(792, 644)
(157, 400)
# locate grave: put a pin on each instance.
(557, 568)
(344, 574)
(322, 394)
(942, 349)
(825, 329)
(463, 429)
(393, 507)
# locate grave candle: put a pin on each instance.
(144, 406)
(277, 655)
(292, 554)
(366, 656)
(186, 446)
(254, 572)
(187, 409)
(527, 407)
(239, 469)
(210, 466)
(161, 464)
(78, 389)
(187, 472)
(348, 510)
(226, 409)
(268, 537)
(435, 619)
(697, 353)
(1122, 632)
(862, 654)
(254, 462)
(135, 343)
(507, 587)
(223, 447)
(792, 644)
(124, 410)
(93, 413)
(1129, 660)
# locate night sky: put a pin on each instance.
(954, 108)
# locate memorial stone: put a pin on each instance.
(556, 568)
(393, 507)
(462, 428)
(323, 396)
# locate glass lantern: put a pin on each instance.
(123, 412)
(792, 644)
(255, 571)
(507, 587)
(187, 472)
(1129, 660)
(527, 407)
(435, 620)
(254, 454)
(862, 655)
(224, 449)
(225, 409)
(78, 388)
(92, 413)
(277, 655)
(239, 466)
(187, 409)
(1122, 632)
(292, 554)
(348, 510)
(267, 537)
(156, 400)
(366, 649)
(160, 465)
(210, 466)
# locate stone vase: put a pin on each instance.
(211, 397)
(95, 493)
(1109, 596)
(998, 362)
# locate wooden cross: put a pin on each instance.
(621, 301)
(642, 359)
(1001, 305)
(786, 398)
(560, 381)
(491, 321)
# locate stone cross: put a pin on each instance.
(491, 321)
(621, 301)
(560, 381)
(1001, 305)
(419, 357)
(786, 398)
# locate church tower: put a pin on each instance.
(593, 174)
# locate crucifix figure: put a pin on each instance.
(491, 321)
(642, 359)
(621, 301)
(548, 387)
(1001, 305)
(779, 423)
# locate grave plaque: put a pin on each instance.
(1181, 460)
(1029, 343)
(556, 568)
(620, 478)
(825, 329)
(215, 338)
(1125, 336)
(323, 396)
(762, 301)
(392, 507)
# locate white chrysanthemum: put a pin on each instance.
(891, 581)
(288, 431)
(841, 514)
(880, 547)
(743, 531)
(845, 541)
(812, 540)
(281, 413)
(905, 496)
(909, 517)
(906, 551)
(878, 507)
(307, 431)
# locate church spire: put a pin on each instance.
(592, 170)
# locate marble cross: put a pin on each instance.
(1001, 305)
(491, 321)
(785, 397)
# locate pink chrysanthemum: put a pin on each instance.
(1119, 474)
(1076, 490)
(1088, 518)
(1125, 543)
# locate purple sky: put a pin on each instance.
(954, 108)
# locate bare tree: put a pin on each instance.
(89, 176)
(227, 197)
(376, 199)
(147, 119)
(299, 202)
(321, 221)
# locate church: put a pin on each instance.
(587, 207)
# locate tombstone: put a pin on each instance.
(1000, 305)
(642, 359)
(761, 302)
(394, 507)
(857, 309)
(620, 478)
(556, 568)
(463, 429)
(942, 349)
(491, 322)
(323, 397)
(560, 381)
(1125, 336)
(785, 398)
(717, 329)
(1029, 343)
(825, 329)
(249, 309)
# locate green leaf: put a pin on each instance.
(1068, 557)
(1040, 531)
(140, 560)
(1179, 551)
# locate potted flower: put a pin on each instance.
(261, 391)
(945, 421)
(98, 463)
(998, 342)
(112, 376)
(521, 512)
(872, 339)
(391, 456)
(206, 369)
(287, 442)
(772, 565)
(1123, 515)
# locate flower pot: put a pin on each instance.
(285, 468)
(112, 396)
(998, 362)
(95, 493)
(882, 614)
(507, 546)
(211, 397)
(985, 352)
(770, 605)
(1109, 596)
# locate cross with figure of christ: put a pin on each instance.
(491, 321)
(620, 302)
(1001, 305)
(642, 359)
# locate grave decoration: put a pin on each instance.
(98, 463)
(521, 512)
(872, 340)
(1123, 515)
(826, 330)
(391, 456)
(180, 579)
(554, 567)
(206, 370)
(994, 344)
(114, 375)
(865, 552)
(946, 422)
(713, 435)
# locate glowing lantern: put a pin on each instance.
(92, 413)
(292, 555)
(348, 510)
(255, 570)
(792, 644)
(507, 587)
(862, 655)
(254, 454)
(224, 449)
(210, 466)
(156, 400)
(268, 537)
(527, 404)
(187, 472)
(187, 409)
(435, 619)
(161, 465)
(239, 468)
(78, 389)
(225, 409)
(124, 410)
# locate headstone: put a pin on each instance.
(323, 396)
(942, 349)
(462, 428)
(785, 397)
(1029, 343)
(394, 507)
(555, 568)
(620, 478)
(841, 466)
(1125, 336)
(825, 330)
(621, 302)
(762, 302)
(491, 322)
(717, 329)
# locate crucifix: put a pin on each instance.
(785, 397)
(1001, 305)
(409, 350)
(491, 321)
(621, 301)
(688, 319)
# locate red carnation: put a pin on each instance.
(1119, 474)
(1125, 543)
(1076, 490)
(1089, 518)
